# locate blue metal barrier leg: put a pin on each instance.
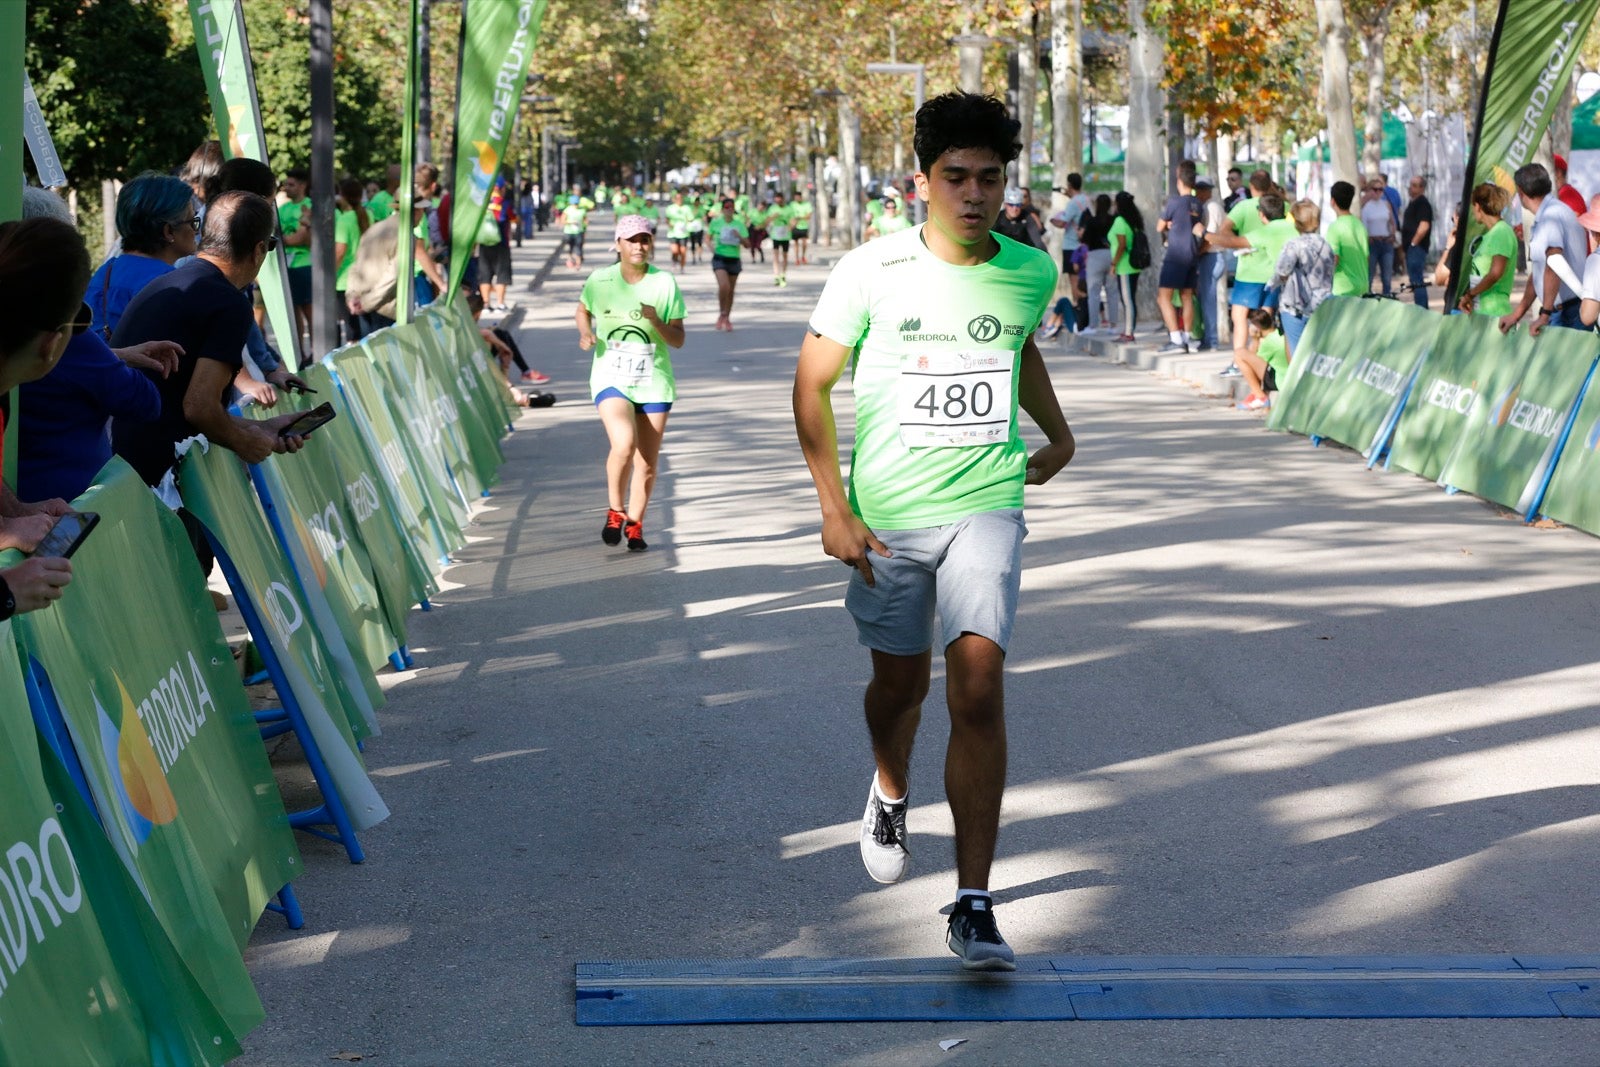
(288, 906)
(425, 605)
(331, 811)
(396, 661)
(405, 656)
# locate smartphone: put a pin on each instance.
(67, 534)
(310, 420)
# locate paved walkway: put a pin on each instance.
(1261, 701)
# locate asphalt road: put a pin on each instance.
(1260, 700)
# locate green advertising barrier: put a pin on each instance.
(73, 921)
(421, 433)
(1510, 437)
(216, 489)
(1384, 342)
(1574, 493)
(466, 363)
(305, 488)
(403, 480)
(1318, 360)
(355, 472)
(469, 340)
(155, 708)
(413, 375)
(478, 433)
(1464, 354)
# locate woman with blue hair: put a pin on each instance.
(159, 224)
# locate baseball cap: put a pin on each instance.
(1013, 197)
(629, 226)
(1559, 161)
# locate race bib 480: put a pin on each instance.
(955, 399)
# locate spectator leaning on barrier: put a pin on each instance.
(1556, 244)
(158, 221)
(44, 271)
(1491, 262)
(201, 307)
(1304, 274)
(63, 418)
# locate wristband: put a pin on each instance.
(1547, 312)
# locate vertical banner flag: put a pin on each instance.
(1531, 54)
(40, 144)
(497, 39)
(404, 247)
(219, 36)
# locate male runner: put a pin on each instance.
(778, 231)
(679, 215)
(801, 212)
(939, 319)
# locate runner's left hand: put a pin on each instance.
(1048, 461)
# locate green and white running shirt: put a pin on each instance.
(679, 216)
(938, 351)
(727, 235)
(629, 355)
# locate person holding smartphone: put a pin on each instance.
(44, 271)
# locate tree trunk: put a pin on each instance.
(1066, 102)
(1145, 170)
(850, 179)
(1027, 89)
(1333, 33)
(108, 213)
(1373, 35)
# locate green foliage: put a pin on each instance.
(120, 98)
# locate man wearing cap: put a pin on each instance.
(1016, 223)
(1568, 193)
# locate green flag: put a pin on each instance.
(219, 37)
(166, 734)
(1531, 53)
(1510, 435)
(86, 973)
(497, 39)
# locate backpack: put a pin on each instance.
(1139, 251)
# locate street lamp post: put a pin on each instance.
(918, 71)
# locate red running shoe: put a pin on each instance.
(635, 532)
(611, 532)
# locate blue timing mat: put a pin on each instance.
(668, 992)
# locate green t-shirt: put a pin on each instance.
(601, 191)
(420, 232)
(1274, 348)
(642, 377)
(380, 207)
(938, 352)
(289, 221)
(800, 213)
(575, 219)
(679, 218)
(741, 204)
(1123, 228)
(1501, 240)
(347, 232)
(727, 235)
(874, 209)
(1348, 239)
(1268, 242)
(886, 223)
(778, 222)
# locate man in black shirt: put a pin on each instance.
(200, 306)
(1416, 227)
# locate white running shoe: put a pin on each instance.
(883, 838)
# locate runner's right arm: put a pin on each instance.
(844, 536)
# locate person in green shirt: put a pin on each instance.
(1258, 250)
(936, 323)
(1348, 239)
(574, 223)
(728, 234)
(382, 203)
(889, 220)
(1494, 255)
(778, 232)
(1264, 363)
(1126, 221)
(800, 213)
(294, 221)
(679, 217)
(1250, 275)
(350, 221)
(630, 314)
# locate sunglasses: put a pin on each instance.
(271, 242)
(194, 223)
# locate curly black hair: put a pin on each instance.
(965, 120)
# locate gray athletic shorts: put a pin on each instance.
(970, 570)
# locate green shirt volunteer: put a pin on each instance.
(1121, 227)
(380, 206)
(347, 232)
(1348, 239)
(1266, 245)
(1501, 240)
(289, 221)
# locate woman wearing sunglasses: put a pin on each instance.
(159, 224)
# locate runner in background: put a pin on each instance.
(801, 212)
(778, 230)
(679, 216)
(728, 233)
(889, 220)
(630, 314)
(574, 222)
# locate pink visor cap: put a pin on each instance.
(632, 226)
